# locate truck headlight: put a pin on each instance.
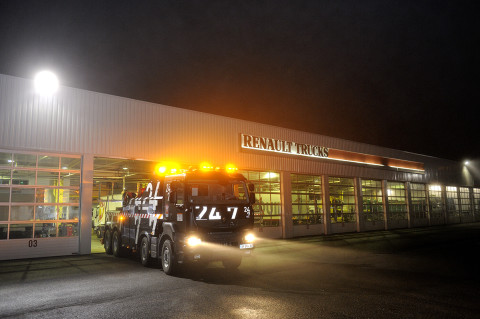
(193, 241)
(249, 238)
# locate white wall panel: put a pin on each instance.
(78, 121)
(42, 247)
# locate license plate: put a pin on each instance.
(245, 246)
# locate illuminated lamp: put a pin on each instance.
(270, 175)
(193, 241)
(167, 168)
(230, 168)
(250, 238)
(160, 169)
(205, 166)
(46, 83)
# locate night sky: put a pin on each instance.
(399, 74)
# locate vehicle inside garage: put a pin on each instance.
(111, 178)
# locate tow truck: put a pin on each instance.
(195, 216)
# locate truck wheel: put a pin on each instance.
(144, 252)
(169, 264)
(232, 262)
(117, 244)
(107, 242)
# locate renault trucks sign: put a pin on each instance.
(266, 144)
(280, 146)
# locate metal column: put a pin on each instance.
(286, 200)
(86, 205)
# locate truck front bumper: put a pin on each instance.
(212, 252)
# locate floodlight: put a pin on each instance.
(46, 83)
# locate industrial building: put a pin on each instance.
(66, 159)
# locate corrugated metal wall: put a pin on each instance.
(84, 122)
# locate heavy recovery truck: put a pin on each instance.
(193, 217)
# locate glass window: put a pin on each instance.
(48, 195)
(5, 176)
(21, 177)
(465, 202)
(3, 213)
(435, 202)
(18, 231)
(267, 208)
(21, 213)
(45, 230)
(3, 231)
(69, 212)
(47, 178)
(476, 203)
(453, 207)
(239, 191)
(73, 163)
(372, 200)
(67, 229)
(342, 200)
(6, 159)
(23, 195)
(397, 201)
(24, 160)
(46, 212)
(419, 201)
(307, 206)
(39, 190)
(48, 161)
(4, 195)
(70, 179)
(73, 196)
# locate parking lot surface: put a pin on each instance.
(414, 273)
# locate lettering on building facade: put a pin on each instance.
(280, 146)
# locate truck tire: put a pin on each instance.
(107, 242)
(169, 263)
(232, 262)
(117, 244)
(144, 252)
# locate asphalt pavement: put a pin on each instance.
(413, 273)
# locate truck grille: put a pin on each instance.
(223, 238)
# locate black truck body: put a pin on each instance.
(195, 216)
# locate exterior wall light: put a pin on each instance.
(46, 83)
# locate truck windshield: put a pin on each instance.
(209, 191)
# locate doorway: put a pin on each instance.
(111, 178)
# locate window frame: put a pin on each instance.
(31, 172)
